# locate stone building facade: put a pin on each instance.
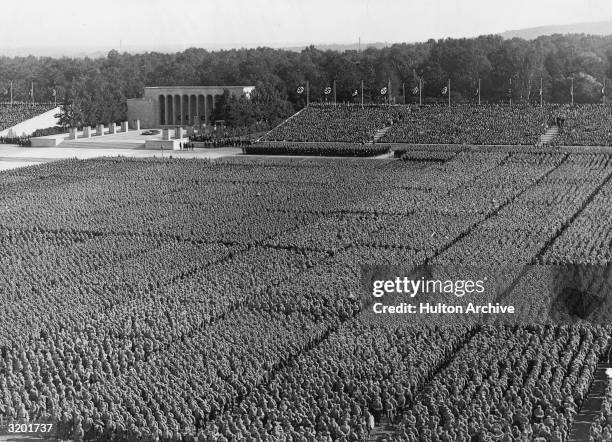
(178, 105)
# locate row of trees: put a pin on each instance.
(99, 87)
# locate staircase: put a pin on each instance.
(380, 133)
(591, 406)
(550, 135)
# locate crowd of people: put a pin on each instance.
(601, 429)
(470, 124)
(509, 384)
(23, 141)
(10, 115)
(324, 149)
(228, 136)
(462, 124)
(166, 299)
(213, 140)
(583, 125)
(328, 122)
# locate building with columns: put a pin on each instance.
(178, 105)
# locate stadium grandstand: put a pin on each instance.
(18, 119)
(462, 124)
(11, 115)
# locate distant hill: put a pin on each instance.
(594, 28)
(99, 51)
(340, 47)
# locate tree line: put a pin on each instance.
(95, 89)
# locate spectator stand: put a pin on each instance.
(267, 134)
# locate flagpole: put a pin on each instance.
(510, 91)
(335, 93)
(572, 91)
(11, 93)
(307, 93)
(449, 100)
(478, 91)
(541, 93)
(404, 91)
(420, 92)
(32, 93)
(603, 92)
(362, 94)
(389, 92)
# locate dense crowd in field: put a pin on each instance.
(494, 388)
(212, 141)
(601, 430)
(228, 137)
(195, 300)
(11, 115)
(324, 149)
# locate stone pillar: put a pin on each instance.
(169, 110)
(86, 131)
(124, 126)
(179, 133)
(136, 124)
(166, 134)
(112, 128)
(72, 133)
(206, 109)
(100, 130)
(182, 120)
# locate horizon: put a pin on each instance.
(274, 23)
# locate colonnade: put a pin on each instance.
(185, 109)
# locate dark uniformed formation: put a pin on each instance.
(21, 141)
(213, 140)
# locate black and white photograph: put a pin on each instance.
(306, 221)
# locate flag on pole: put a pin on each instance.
(300, 90)
(477, 92)
(327, 90)
(355, 92)
(415, 90)
(53, 92)
(444, 90)
(383, 91)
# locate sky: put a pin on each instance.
(233, 23)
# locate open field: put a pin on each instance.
(149, 297)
